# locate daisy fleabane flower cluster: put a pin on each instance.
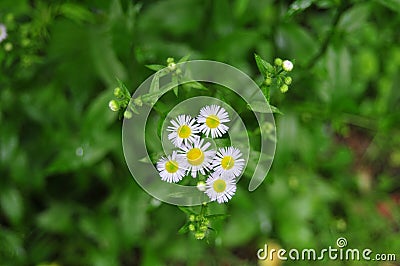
(194, 156)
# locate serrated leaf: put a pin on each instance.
(155, 67)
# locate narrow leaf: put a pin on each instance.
(263, 107)
(186, 210)
(155, 67)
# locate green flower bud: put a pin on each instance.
(191, 227)
(206, 222)
(138, 101)
(127, 114)
(192, 218)
(118, 92)
(9, 17)
(203, 228)
(287, 65)
(278, 61)
(8, 47)
(268, 81)
(199, 235)
(170, 60)
(113, 105)
(25, 42)
(284, 88)
(172, 66)
(288, 80)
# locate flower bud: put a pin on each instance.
(278, 61)
(192, 218)
(191, 227)
(113, 105)
(8, 47)
(118, 92)
(201, 186)
(268, 81)
(170, 60)
(284, 88)
(172, 66)
(199, 235)
(287, 65)
(138, 101)
(288, 80)
(127, 114)
(203, 228)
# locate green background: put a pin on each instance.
(66, 195)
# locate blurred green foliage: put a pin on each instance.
(66, 195)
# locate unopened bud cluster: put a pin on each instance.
(121, 102)
(172, 66)
(280, 75)
(198, 225)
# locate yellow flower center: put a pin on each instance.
(227, 162)
(219, 185)
(195, 156)
(171, 166)
(184, 131)
(212, 121)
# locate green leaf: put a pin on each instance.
(263, 107)
(125, 90)
(298, 6)
(77, 13)
(155, 83)
(57, 218)
(12, 204)
(392, 4)
(184, 229)
(195, 85)
(155, 67)
(184, 59)
(263, 66)
(186, 210)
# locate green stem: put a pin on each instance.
(344, 5)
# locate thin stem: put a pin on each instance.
(344, 5)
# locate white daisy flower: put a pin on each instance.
(196, 157)
(228, 162)
(211, 119)
(220, 188)
(3, 32)
(171, 168)
(183, 130)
